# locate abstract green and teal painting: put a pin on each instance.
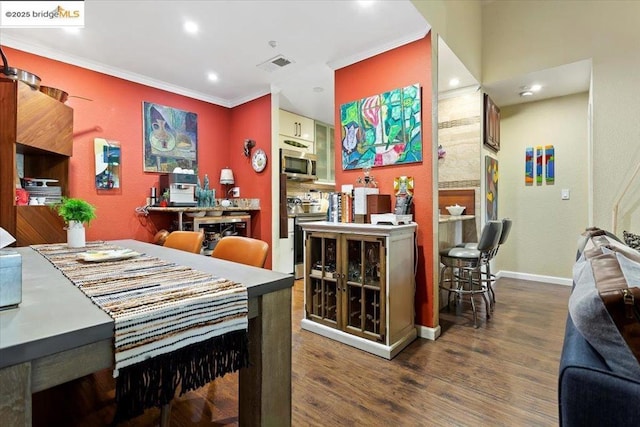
(382, 129)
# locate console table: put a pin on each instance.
(225, 213)
(57, 334)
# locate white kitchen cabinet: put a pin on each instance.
(359, 284)
(296, 132)
(285, 263)
(325, 151)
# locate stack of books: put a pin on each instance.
(341, 207)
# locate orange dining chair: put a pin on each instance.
(244, 250)
(189, 241)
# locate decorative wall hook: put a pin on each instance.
(248, 145)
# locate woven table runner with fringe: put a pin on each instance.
(174, 326)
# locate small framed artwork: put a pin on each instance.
(491, 188)
(107, 160)
(491, 124)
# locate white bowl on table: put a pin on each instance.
(456, 210)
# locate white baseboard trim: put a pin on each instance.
(536, 278)
(428, 333)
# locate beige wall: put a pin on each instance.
(546, 228)
(459, 24)
(459, 133)
(524, 36)
(510, 39)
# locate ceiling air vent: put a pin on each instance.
(275, 63)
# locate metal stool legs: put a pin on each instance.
(469, 271)
(464, 280)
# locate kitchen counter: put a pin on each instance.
(455, 229)
(454, 218)
(307, 215)
(228, 211)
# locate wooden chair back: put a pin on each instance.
(243, 250)
(188, 241)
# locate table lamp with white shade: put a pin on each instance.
(226, 179)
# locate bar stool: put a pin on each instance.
(461, 273)
(488, 276)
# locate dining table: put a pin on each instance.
(58, 334)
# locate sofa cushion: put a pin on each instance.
(631, 239)
(589, 313)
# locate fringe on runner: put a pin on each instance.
(155, 381)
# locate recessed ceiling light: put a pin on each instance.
(535, 88)
(191, 27)
(526, 93)
(454, 82)
(212, 77)
(318, 89)
(72, 30)
(365, 3)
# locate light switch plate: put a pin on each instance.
(565, 194)
(236, 191)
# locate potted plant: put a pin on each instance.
(76, 213)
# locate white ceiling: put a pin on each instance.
(557, 81)
(144, 42)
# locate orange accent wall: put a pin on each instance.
(115, 112)
(253, 121)
(406, 65)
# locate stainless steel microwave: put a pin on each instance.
(297, 165)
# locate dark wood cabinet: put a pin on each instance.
(40, 129)
(491, 124)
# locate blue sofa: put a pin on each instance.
(589, 392)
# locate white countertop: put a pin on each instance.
(454, 218)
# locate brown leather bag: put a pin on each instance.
(621, 301)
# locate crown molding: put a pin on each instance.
(343, 62)
(112, 71)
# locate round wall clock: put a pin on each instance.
(259, 160)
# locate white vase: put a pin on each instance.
(75, 235)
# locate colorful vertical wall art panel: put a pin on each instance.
(539, 165)
(382, 129)
(550, 163)
(543, 157)
(491, 188)
(528, 166)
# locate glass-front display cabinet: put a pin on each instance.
(351, 270)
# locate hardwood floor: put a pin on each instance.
(502, 374)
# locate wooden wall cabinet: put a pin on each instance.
(40, 129)
(359, 285)
(491, 124)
